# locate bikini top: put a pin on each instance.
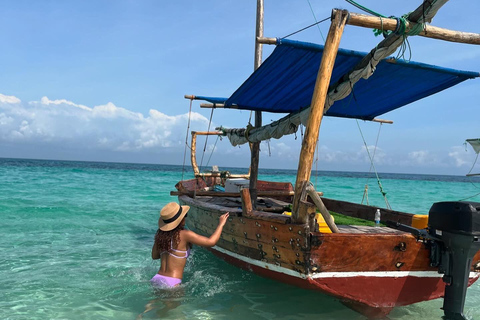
(175, 253)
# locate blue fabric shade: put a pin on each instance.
(284, 83)
(211, 99)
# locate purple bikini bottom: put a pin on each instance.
(163, 281)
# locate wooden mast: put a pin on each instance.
(316, 110)
(255, 149)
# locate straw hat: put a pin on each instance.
(171, 215)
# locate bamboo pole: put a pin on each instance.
(317, 106)
(193, 154)
(255, 148)
(429, 31)
(208, 133)
(382, 121)
(219, 175)
(361, 20)
(212, 105)
(323, 210)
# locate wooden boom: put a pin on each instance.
(389, 24)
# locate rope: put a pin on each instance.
(315, 18)
(247, 131)
(359, 6)
(384, 194)
(469, 197)
(186, 138)
(211, 153)
(471, 180)
(365, 192)
(401, 22)
(314, 24)
(206, 138)
(476, 158)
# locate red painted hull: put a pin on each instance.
(374, 297)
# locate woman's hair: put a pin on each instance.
(164, 238)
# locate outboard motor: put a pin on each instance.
(457, 224)
(454, 237)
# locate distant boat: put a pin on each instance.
(274, 230)
(475, 143)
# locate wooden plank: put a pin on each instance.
(274, 186)
(247, 207)
(230, 194)
(368, 229)
(191, 185)
(252, 229)
(293, 258)
(369, 252)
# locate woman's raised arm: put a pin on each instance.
(192, 237)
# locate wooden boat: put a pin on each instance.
(370, 269)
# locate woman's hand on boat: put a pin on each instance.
(192, 237)
(223, 219)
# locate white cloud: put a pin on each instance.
(103, 127)
(420, 157)
(46, 101)
(9, 99)
(460, 156)
(376, 153)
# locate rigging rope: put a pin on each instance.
(211, 153)
(314, 24)
(186, 138)
(476, 158)
(384, 194)
(365, 192)
(206, 138)
(474, 162)
(315, 18)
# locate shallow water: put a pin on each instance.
(76, 241)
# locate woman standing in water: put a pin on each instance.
(172, 243)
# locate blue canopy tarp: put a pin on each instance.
(285, 81)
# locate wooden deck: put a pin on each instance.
(368, 229)
(278, 206)
(263, 203)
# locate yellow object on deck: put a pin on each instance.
(420, 221)
(322, 225)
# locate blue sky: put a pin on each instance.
(105, 80)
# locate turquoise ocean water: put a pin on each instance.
(76, 240)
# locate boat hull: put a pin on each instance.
(373, 294)
(370, 273)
